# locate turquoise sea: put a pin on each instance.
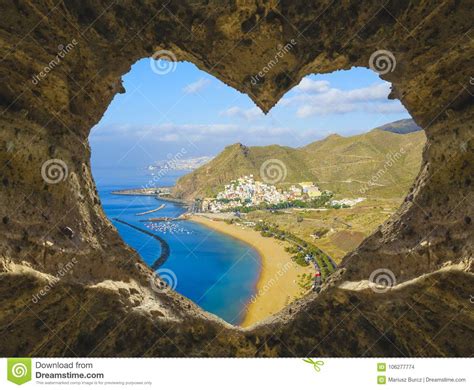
(216, 271)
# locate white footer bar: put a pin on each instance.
(238, 373)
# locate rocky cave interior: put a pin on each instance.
(105, 306)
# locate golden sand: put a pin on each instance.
(277, 284)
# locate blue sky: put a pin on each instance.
(161, 114)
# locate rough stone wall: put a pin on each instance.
(105, 305)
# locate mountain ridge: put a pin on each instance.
(346, 166)
(402, 126)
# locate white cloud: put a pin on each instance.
(308, 110)
(318, 98)
(310, 98)
(208, 136)
(169, 138)
(248, 114)
(196, 86)
(311, 86)
(176, 133)
(166, 132)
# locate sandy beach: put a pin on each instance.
(277, 284)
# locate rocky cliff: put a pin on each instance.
(70, 286)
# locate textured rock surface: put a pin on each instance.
(104, 305)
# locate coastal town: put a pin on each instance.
(246, 193)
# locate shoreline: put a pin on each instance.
(277, 283)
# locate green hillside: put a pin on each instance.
(344, 165)
(238, 160)
(403, 126)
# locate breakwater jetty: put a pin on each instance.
(152, 211)
(165, 248)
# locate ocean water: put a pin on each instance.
(216, 271)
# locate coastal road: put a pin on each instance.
(317, 279)
(319, 249)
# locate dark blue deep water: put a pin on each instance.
(214, 270)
